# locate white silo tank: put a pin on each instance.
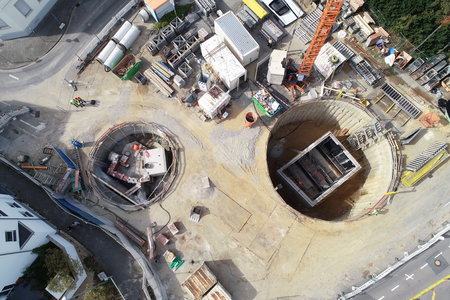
(130, 37)
(104, 54)
(144, 15)
(122, 31)
(114, 58)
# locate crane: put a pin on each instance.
(296, 76)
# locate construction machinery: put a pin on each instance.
(295, 79)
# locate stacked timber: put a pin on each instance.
(163, 71)
(162, 86)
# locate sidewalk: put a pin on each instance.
(20, 52)
(116, 261)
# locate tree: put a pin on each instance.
(105, 291)
(415, 19)
(57, 262)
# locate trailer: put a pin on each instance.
(127, 67)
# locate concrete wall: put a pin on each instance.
(377, 160)
(20, 25)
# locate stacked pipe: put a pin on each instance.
(115, 50)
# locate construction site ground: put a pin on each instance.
(257, 246)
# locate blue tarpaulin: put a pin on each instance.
(80, 212)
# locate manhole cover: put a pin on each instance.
(437, 263)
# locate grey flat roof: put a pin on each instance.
(236, 32)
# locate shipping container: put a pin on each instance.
(237, 38)
(259, 11)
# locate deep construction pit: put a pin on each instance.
(133, 165)
(300, 128)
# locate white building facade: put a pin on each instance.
(21, 230)
(159, 8)
(19, 17)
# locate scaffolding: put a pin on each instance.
(144, 132)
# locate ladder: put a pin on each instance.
(45, 178)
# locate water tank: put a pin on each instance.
(130, 37)
(122, 31)
(106, 51)
(144, 15)
(114, 58)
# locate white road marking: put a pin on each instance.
(394, 288)
(424, 266)
(449, 246)
(13, 77)
(409, 276)
(448, 203)
(381, 298)
(440, 253)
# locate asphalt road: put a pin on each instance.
(415, 276)
(87, 20)
(115, 260)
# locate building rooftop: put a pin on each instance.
(217, 54)
(155, 4)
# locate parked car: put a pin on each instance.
(287, 11)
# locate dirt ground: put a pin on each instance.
(258, 247)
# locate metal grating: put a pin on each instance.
(308, 25)
(363, 68)
(401, 101)
(344, 50)
(417, 163)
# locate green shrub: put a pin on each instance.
(181, 12)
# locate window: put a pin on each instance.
(26, 214)
(3, 214)
(7, 289)
(25, 234)
(10, 236)
(23, 7)
(3, 25)
(14, 204)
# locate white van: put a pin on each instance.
(287, 11)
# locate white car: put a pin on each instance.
(287, 11)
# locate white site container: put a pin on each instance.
(154, 161)
(237, 38)
(212, 102)
(275, 72)
(122, 31)
(114, 58)
(130, 37)
(106, 52)
(223, 62)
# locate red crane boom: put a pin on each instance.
(329, 15)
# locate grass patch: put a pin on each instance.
(181, 12)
